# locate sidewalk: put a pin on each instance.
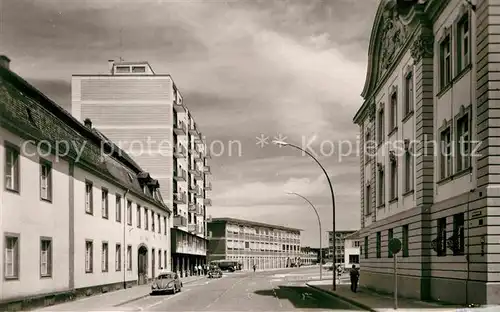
(372, 301)
(112, 300)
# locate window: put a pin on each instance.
(45, 257)
(165, 225)
(458, 234)
(138, 215)
(146, 218)
(129, 212)
(441, 237)
(89, 207)
(368, 200)
(408, 93)
(381, 126)
(159, 259)
(46, 180)
(445, 153)
(118, 257)
(405, 241)
(165, 259)
(394, 179)
(394, 110)
(445, 61)
(353, 258)
(381, 187)
(12, 168)
(138, 69)
(159, 224)
(365, 248)
(129, 258)
(389, 237)
(368, 151)
(152, 221)
(118, 212)
(123, 69)
(11, 257)
(104, 257)
(463, 142)
(379, 245)
(356, 244)
(463, 43)
(104, 203)
(89, 254)
(408, 171)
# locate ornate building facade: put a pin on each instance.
(429, 167)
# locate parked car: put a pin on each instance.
(166, 282)
(215, 273)
(328, 266)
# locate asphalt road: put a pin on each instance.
(260, 291)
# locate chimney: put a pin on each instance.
(4, 61)
(111, 64)
(88, 123)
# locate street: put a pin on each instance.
(283, 290)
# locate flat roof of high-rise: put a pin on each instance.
(255, 223)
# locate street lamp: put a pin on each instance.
(320, 234)
(282, 143)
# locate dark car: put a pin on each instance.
(166, 282)
(215, 273)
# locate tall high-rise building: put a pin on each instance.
(144, 114)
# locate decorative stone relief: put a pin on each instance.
(371, 112)
(422, 47)
(394, 34)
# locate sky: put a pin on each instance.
(250, 71)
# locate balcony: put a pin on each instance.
(192, 207)
(199, 210)
(194, 153)
(192, 228)
(179, 151)
(180, 221)
(206, 169)
(193, 130)
(199, 192)
(180, 198)
(198, 139)
(180, 175)
(192, 188)
(179, 106)
(208, 186)
(207, 202)
(180, 128)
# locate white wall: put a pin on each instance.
(98, 229)
(351, 248)
(24, 213)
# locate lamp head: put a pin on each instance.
(282, 143)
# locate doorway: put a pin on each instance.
(142, 265)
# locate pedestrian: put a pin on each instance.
(199, 269)
(354, 278)
(254, 267)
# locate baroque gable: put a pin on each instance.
(392, 30)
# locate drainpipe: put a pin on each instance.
(468, 249)
(124, 243)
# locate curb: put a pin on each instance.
(332, 294)
(148, 294)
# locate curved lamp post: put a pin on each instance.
(320, 234)
(282, 143)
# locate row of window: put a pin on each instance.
(89, 257)
(156, 224)
(12, 256)
(12, 174)
(458, 239)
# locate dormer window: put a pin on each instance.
(138, 69)
(122, 69)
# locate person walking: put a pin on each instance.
(354, 278)
(254, 267)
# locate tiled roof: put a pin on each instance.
(29, 114)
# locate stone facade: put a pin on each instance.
(442, 208)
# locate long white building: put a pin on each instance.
(143, 112)
(78, 215)
(429, 169)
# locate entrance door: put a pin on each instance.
(142, 265)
